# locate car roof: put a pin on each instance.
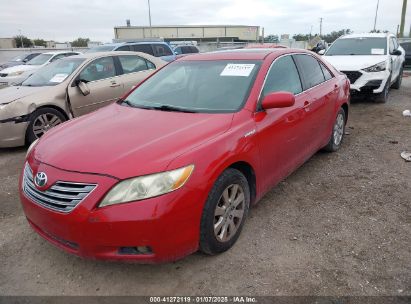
(91, 56)
(242, 54)
(367, 35)
(108, 53)
(59, 52)
(114, 44)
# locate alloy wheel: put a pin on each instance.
(45, 122)
(229, 212)
(338, 129)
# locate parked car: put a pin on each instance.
(16, 74)
(68, 88)
(156, 49)
(407, 48)
(174, 166)
(185, 49)
(19, 60)
(373, 62)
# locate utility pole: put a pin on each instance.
(321, 26)
(404, 9)
(149, 18)
(21, 40)
(375, 19)
(311, 30)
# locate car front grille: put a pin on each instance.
(3, 75)
(352, 75)
(62, 196)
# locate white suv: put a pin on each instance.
(373, 62)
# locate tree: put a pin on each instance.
(331, 37)
(302, 37)
(26, 41)
(40, 42)
(80, 42)
(271, 38)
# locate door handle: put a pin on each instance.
(306, 104)
(114, 84)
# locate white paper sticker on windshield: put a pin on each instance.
(58, 78)
(234, 69)
(377, 51)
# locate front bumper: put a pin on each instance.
(168, 224)
(12, 134)
(373, 82)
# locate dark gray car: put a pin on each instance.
(407, 47)
(18, 60)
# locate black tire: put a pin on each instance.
(397, 84)
(383, 96)
(32, 133)
(335, 142)
(209, 243)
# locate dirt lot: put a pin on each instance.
(340, 225)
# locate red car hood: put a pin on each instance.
(126, 142)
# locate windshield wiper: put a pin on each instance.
(169, 108)
(172, 109)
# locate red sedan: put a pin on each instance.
(174, 166)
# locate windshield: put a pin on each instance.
(358, 46)
(197, 86)
(54, 73)
(101, 48)
(40, 59)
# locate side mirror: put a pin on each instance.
(321, 52)
(25, 60)
(278, 100)
(83, 87)
(396, 52)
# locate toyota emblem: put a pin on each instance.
(41, 179)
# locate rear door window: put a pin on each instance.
(283, 76)
(123, 48)
(144, 48)
(161, 50)
(310, 70)
(132, 64)
(100, 68)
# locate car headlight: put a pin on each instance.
(15, 73)
(31, 147)
(147, 186)
(377, 67)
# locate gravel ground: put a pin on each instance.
(340, 225)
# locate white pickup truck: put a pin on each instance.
(373, 62)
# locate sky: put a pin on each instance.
(95, 19)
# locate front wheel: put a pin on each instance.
(225, 212)
(383, 96)
(338, 132)
(41, 121)
(397, 84)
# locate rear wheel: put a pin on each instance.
(41, 121)
(225, 212)
(337, 135)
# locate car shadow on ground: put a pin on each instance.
(12, 150)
